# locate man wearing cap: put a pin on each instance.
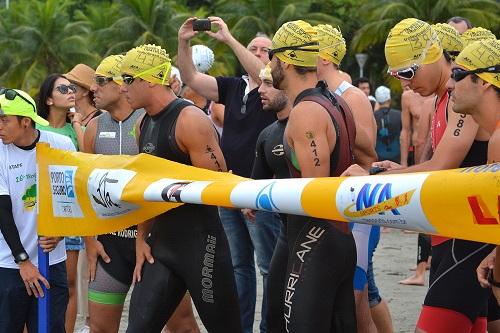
(332, 49)
(317, 259)
(388, 126)
(454, 302)
(111, 257)
(183, 238)
(19, 275)
(243, 121)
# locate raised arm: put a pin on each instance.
(203, 84)
(250, 62)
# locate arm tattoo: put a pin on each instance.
(211, 151)
(460, 124)
(314, 153)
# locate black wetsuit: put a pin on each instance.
(189, 247)
(270, 159)
(312, 270)
(453, 282)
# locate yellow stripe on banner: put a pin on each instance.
(319, 198)
(464, 203)
(219, 193)
(385, 206)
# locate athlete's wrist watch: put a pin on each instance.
(21, 257)
(491, 279)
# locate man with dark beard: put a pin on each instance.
(311, 278)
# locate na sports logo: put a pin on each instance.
(378, 200)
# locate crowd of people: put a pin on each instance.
(295, 114)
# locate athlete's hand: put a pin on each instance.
(354, 170)
(48, 243)
(31, 277)
(483, 269)
(388, 165)
(223, 34)
(94, 249)
(142, 253)
(186, 30)
(249, 214)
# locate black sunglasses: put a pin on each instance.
(11, 94)
(101, 81)
(65, 88)
(458, 74)
(272, 52)
(128, 79)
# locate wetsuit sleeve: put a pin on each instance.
(8, 226)
(261, 169)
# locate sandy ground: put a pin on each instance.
(394, 258)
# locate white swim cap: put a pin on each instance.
(203, 58)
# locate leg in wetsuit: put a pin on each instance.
(191, 252)
(309, 292)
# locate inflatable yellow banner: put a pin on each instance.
(83, 194)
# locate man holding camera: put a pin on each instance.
(243, 121)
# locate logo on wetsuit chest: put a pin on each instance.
(207, 270)
(278, 150)
(312, 237)
(149, 148)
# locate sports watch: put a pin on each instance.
(21, 257)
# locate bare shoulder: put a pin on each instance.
(357, 101)
(307, 112)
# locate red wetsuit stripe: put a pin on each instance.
(440, 320)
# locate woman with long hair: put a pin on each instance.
(55, 100)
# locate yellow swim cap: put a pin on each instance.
(475, 34)
(111, 67)
(482, 54)
(296, 43)
(148, 62)
(412, 41)
(449, 37)
(331, 43)
(265, 73)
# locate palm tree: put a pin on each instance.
(380, 16)
(41, 39)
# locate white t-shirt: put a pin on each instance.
(18, 179)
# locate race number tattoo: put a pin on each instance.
(210, 151)
(309, 135)
(314, 153)
(460, 124)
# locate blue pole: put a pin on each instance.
(43, 302)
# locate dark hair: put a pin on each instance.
(20, 118)
(474, 78)
(44, 93)
(458, 19)
(304, 70)
(360, 80)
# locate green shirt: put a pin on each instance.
(67, 130)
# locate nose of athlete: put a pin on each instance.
(123, 88)
(405, 83)
(450, 84)
(93, 87)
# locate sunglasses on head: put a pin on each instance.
(66, 88)
(458, 74)
(101, 81)
(272, 52)
(11, 94)
(404, 74)
(129, 79)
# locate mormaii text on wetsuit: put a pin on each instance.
(207, 270)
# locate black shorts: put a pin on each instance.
(121, 250)
(453, 283)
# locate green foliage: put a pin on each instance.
(39, 37)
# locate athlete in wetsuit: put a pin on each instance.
(313, 268)
(188, 249)
(368, 300)
(455, 302)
